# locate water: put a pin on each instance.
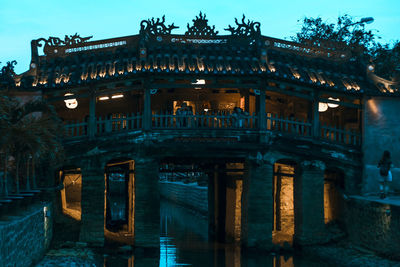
(184, 242)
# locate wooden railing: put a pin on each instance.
(76, 128)
(124, 123)
(210, 121)
(288, 125)
(220, 120)
(340, 136)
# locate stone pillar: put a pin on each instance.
(92, 203)
(309, 203)
(257, 205)
(147, 204)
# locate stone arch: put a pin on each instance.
(119, 199)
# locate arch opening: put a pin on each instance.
(71, 194)
(333, 188)
(222, 183)
(283, 202)
(119, 201)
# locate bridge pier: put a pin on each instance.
(309, 199)
(147, 204)
(92, 203)
(257, 205)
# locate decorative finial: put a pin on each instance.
(247, 29)
(200, 27)
(156, 27)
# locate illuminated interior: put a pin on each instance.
(283, 196)
(71, 194)
(119, 202)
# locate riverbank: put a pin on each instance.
(69, 257)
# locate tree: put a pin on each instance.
(349, 34)
(29, 130)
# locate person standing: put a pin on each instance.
(384, 166)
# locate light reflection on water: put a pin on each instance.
(184, 242)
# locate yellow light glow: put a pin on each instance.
(117, 96)
(331, 105)
(71, 103)
(102, 98)
(200, 81)
(322, 107)
(271, 68)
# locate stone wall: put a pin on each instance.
(189, 195)
(374, 225)
(25, 238)
(381, 132)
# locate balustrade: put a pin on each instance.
(217, 121)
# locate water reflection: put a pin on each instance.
(184, 242)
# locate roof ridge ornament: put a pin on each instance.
(68, 40)
(156, 27)
(200, 27)
(246, 29)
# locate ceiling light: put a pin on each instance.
(117, 96)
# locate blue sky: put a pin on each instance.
(24, 20)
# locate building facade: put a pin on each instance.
(280, 129)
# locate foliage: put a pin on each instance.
(387, 61)
(28, 130)
(7, 75)
(349, 34)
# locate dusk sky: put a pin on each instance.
(24, 20)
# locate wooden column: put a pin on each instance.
(261, 110)
(147, 109)
(315, 117)
(92, 116)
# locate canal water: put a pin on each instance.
(184, 242)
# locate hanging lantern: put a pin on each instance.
(322, 107)
(71, 103)
(331, 105)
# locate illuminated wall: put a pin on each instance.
(381, 131)
(283, 195)
(71, 193)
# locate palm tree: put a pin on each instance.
(29, 130)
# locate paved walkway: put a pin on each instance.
(393, 200)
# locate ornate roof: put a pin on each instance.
(200, 51)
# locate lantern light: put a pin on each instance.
(71, 103)
(332, 105)
(322, 107)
